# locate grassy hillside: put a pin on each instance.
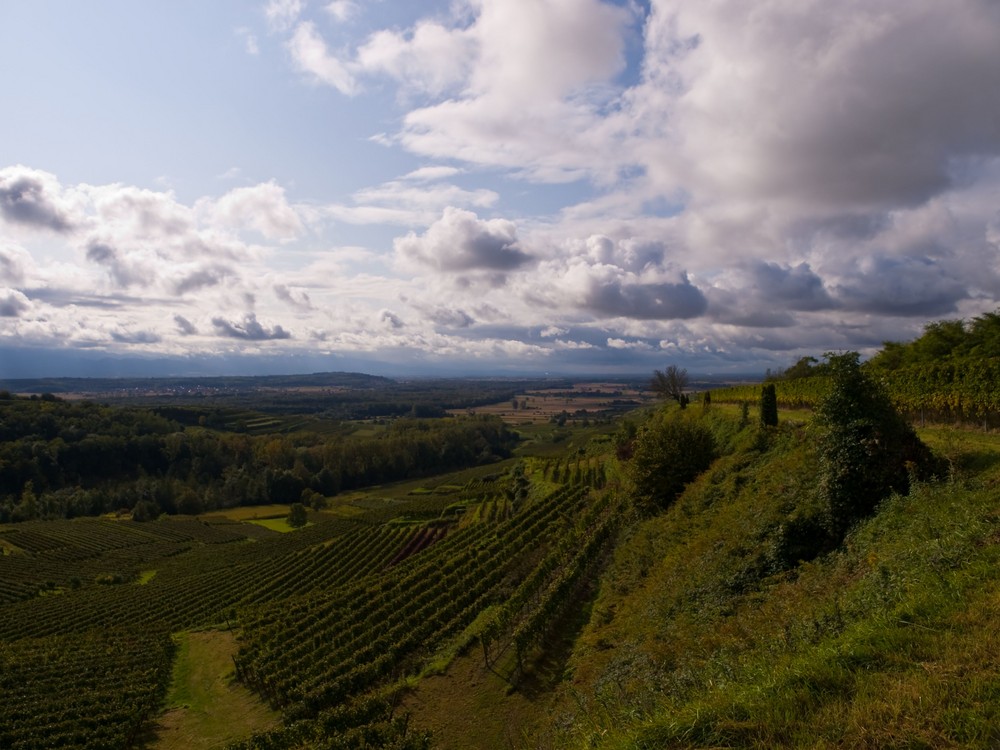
(709, 632)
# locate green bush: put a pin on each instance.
(867, 450)
(667, 454)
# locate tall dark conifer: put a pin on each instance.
(768, 406)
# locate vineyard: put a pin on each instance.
(91, 689)
(803, 393)
(332, 618)
(962, 391)
(312, 654)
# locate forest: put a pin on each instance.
(808, 561)
(62, 459)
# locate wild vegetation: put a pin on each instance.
(686, 577)
(950, 373)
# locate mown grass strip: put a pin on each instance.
(205, 707)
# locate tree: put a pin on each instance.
(297, 515)
(313, 499)
(285, 487)
(804, 368)
(27, 509)
(189, 503)
(892, 357)
(667, 455)
(983, 338)
(940, 340)
(145, 510)
(768, 406)
(670, 384)
(867, 449)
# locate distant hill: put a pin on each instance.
(232, 383)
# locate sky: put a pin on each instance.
(490, 186)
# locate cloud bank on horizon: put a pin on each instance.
(511, 184)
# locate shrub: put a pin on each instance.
(667, 455)
(867, 450)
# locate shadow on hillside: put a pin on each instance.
(547, 668)
(977, 461)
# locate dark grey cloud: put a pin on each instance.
(298, 299)
(201, 278)
(451, 318)
(63, 297)
(790, 287)
(460, 241)
(136, 337)
(645, 301)
(12, 303)
(120, 269)
(30, 198)
(741, 308)
(833, 119)
(511, 332)
(11, 265)
(863, 225)
(766, 295)
(391, 319)
(902, 286)
(632, 254)
(249, 329)
(185, 326)
(101, 253)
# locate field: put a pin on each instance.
(249, 513)
(581, 401)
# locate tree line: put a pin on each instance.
(63, 459)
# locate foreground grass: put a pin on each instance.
(706, 635)
(205, 708)
(892, 642)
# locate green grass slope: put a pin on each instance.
(710, 631)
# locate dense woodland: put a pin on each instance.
(63, 459)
